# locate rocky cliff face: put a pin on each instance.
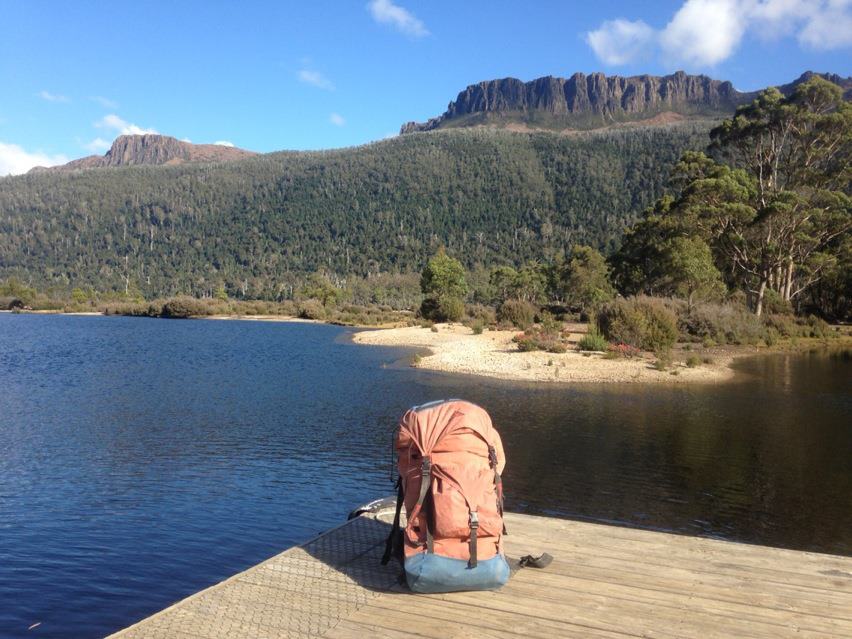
(129, 150)
(590, 101)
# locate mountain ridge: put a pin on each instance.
(596, 100)
(151, 149)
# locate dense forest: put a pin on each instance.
(256, 227)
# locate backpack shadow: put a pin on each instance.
(351, 555)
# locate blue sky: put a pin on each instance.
(285, 75)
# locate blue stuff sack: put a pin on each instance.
(428, 573)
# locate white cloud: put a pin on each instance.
(620, 41)
(223, 143)
(336, 119)
(52, 97)
(123, 127)
(830, 27)
(316, 79)
(704, 33)
(386, 12)
(104, 102)
(14, 160)
(98, 145)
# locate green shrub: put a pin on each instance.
(662, 363)
(452, 308)
(818, 327)
(477, 326)
(518, 313)
(133, 309)
(771, 336)
(693, 361)
(730, 323)
(481, 312)
(311, 309)
(443, 308)
(541, 338)
(287, 307)
(774, 304)
(184, 307)
(593, 341)
(622, 350)
(644, 322)
(785, 325)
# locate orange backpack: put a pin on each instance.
(450, 462)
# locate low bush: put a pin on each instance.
(444, 308)
(771, 336)
(518, 313)
(477, 326)
(133, 309)
(485, 314)
(730, 323)
(541, 337)
(184, 307)
(662, 362)
(311, 309)
(593, 341)
(817, 327)
(785, 325)
(774, 304)
(644, 322)
(693, 361)
(621, 349)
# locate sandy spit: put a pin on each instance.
(456, 349)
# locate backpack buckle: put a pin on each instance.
(426, 467)
(474, 520)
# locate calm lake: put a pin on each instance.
(142, 460)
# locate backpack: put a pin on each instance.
(450, 461)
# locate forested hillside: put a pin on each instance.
(258, 225)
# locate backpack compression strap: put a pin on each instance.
(498, 482)
(471, 545)
(425, 483)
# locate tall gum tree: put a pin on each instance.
(792, 201)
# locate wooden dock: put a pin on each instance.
(605, 581)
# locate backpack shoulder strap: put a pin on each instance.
(394, 531)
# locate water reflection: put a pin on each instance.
(142, 460)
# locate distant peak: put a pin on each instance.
(153, 149)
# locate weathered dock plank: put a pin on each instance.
(605, 582)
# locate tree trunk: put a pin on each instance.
(788, 285)
(761, 291)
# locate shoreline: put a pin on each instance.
(455, 349)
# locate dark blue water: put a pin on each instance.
(142, 460)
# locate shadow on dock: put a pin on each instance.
(604, 582)
(357, 555)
